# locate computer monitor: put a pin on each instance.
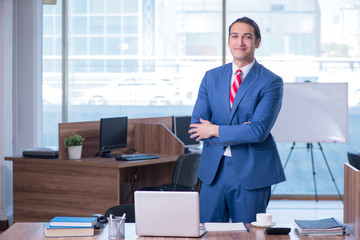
(113, 134)
(181, 127)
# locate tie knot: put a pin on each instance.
(238, 72)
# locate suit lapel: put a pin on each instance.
(225, 91)
(249, 80)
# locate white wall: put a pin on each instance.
(5, 104)
(20, 86)
(27, 74)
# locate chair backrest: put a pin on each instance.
(186, 169)
(119, 210)
(354, 160)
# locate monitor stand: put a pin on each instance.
(106, 154)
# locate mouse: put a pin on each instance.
(120, 158)
(100, 221)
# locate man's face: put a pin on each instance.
(242, 43)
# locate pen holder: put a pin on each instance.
(116, 227)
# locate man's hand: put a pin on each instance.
(203, 130)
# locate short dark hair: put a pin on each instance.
(250, 22)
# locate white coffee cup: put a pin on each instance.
(263, 218)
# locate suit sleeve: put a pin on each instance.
(262, 118)
(262, 121)
(202, 108)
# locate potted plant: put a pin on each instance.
(74, 146)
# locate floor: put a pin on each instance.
(285, 211)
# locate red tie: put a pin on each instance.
(235, 86)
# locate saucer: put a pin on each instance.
(256, 224)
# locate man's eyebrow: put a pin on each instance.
(248, 34)
(235, 33)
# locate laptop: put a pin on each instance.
(167, 214)
(41, 152)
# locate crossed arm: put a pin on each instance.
(259, 114)
(205, 129)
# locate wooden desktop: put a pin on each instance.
(34, 231)
(45, 188)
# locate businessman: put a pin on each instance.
(237, 106)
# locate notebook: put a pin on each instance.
(170, 214)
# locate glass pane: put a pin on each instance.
(96, 46)
(130, 46)
(48, 28)
(114, 6)
(51, 88)
(96, 25)
(96, 6)
(148, 61)
(77, 6)
(77, 25)
(113, 45)
(113, 25)
(131, 25)
(131, 6)
(48, 45)
(77, 46)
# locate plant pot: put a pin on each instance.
(75, 152)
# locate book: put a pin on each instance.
(215, 226)
(55, 231)
(73, 221)
(327, 226)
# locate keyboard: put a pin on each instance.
(134, 157)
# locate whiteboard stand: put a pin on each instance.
(309, 146)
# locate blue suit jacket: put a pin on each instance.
(254, 152)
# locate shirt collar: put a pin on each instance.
(244, 70)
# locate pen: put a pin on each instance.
(121, 222)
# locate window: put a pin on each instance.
(52, 85)
(112, 41)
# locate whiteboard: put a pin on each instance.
(313, 112)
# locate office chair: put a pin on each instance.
(184, 176)
(119, 210)
(354, 160)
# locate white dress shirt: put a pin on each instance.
(244, 71)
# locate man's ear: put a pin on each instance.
(257, 43)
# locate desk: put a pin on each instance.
(34, 231)
(352, 199)
(45, 188)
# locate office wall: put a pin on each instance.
(27, 53)
(5, 102)
(20, 86)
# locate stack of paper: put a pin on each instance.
(220, 226)
(327, 226)
(70, 227)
